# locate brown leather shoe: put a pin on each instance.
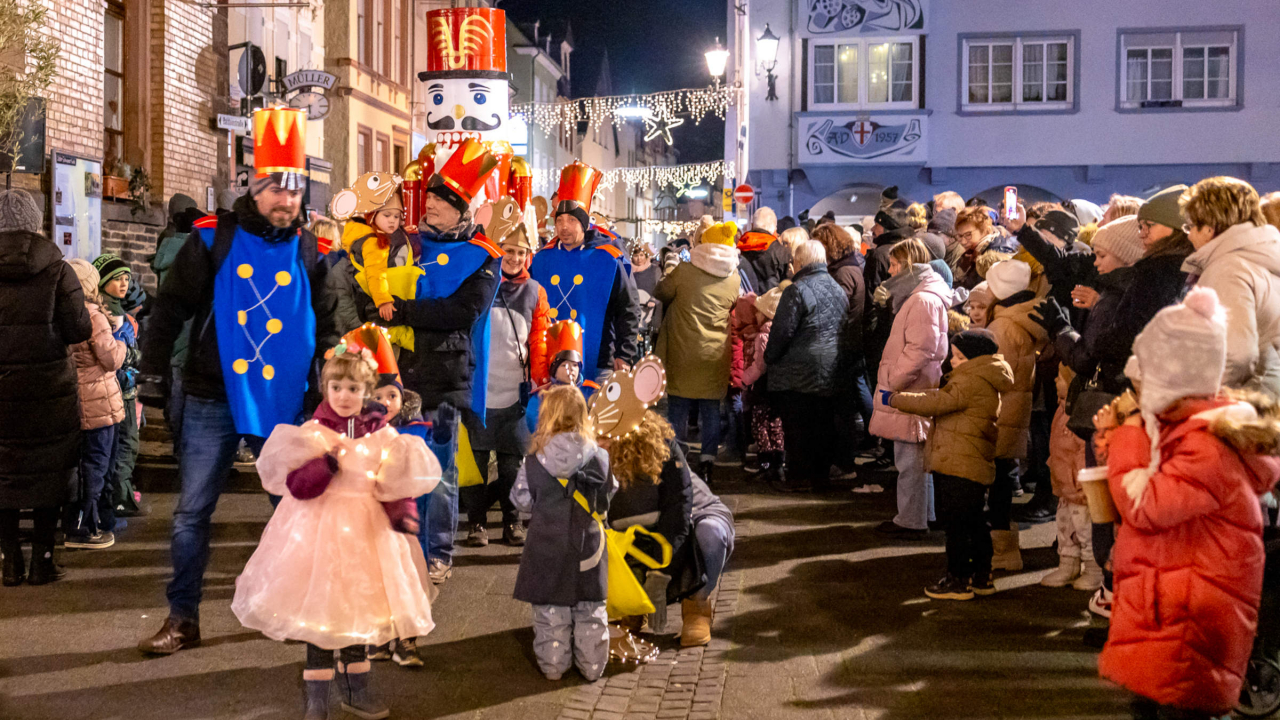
(175, 635)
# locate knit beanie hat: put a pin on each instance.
(1162, 208)
(87, 276)
(767, 304)
(1062, 225)
(258, 183)
(721, 234)
(976, 343)
(1085, 211)
(1181, 352)
(109, 267)
(1008, 277)
(1120, 238)
(19, 211)
(943, 223)
(390, 380)
(935, 244)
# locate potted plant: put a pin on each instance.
(115, 182)
(139, 190)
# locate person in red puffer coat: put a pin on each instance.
(1186, 474)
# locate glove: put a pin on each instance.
(1051, 316)
(885, 395)
(880, 296)
(403, 515)
(446, 423)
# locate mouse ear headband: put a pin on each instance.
(625, 395)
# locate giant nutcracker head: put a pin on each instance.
(466, 78)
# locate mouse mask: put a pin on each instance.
(369, 193)
(619, 406)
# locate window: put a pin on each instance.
(362, 32)
(379, 34)
(1178, 69)
(364, 147)
(382, 154)
(113, 86)
(1017, 73)
(865, 73)
(397, 42)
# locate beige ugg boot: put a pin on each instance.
(695, 629)
(1006, 554)
(1091, 578)
(1068, 570)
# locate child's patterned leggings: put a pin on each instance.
(564, 635)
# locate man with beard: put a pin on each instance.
(252, 282)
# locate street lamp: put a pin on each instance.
(717, 59)
(767, 50)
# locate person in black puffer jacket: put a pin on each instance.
(42, 313)
(802, 356)
(853, 392)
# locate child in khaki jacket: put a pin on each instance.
(960, 453)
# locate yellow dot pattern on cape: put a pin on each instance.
(242, 317)
(273, 325)
(268, 372)
(241, 366)
(245, 270)
(577, 279)
(443, 259)
(554, 313)
(555, 279)
(283, 278)
(573, 314)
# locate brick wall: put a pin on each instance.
(185, 79)
(74, 100)
(135, 243)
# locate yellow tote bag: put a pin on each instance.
(626, 594)
(468, 472)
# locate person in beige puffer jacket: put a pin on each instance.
(1021, 339)
(101, 408)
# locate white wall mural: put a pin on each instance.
(868, 16)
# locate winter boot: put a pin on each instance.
(696, 618)
(15, 570)
(317, 693)
(1007, 555)
(357, 697)
(1091, 578)
(1068, 570)
(43, 569)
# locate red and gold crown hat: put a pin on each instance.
(464, 174)
(565, 336)
(466, 42)
(376, 340)
(578, 183)
(280, 145)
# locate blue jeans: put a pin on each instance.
(209, 443)
(715, 539)
(438, 518)
(97, 463)
(735, 423)
(678, 411)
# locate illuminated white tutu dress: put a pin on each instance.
(331, 570)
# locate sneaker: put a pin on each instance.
(380, 652)
(1100, 603)
(839, 473)
(478, 535)
(883, 462)
(405, 653)
(439, 571)
(950, 588)
(95, 541)
(513, 534)
(893, 529)
(981, 584)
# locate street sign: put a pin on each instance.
(308, 78)
(253, 70)
(744, 194)
(235, 123)
(728, 200)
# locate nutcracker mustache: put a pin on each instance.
(470, 123)
(444, 123)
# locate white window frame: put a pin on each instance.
(864, 73)
(1017, 103)
(1233, 67)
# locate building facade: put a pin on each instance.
(930, 96)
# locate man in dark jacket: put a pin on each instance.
(42, 312)
(802, 357)
(764, 259)
(252, 282)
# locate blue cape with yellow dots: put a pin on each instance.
(266, 330)
(445, 266)
(578, 284)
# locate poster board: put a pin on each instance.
(77, 205)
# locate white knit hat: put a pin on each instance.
(1008, 277)
(1181, 352)
(1120, 238)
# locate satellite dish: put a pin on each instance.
(253, 70)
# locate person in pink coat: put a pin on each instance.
(1186, 473)
(912, 361)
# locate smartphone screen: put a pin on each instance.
(1011, 202)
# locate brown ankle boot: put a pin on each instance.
(175, 635)
(696, 627)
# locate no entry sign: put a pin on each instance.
(744, 194)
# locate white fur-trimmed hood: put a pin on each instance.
(718, 260)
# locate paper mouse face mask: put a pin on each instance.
(619, 406)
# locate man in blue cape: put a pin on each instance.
(252, 283)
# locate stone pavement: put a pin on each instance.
(817, 617)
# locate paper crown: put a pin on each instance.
(578, 183)
(466, 42)
(467, 169)
(374, 339)
(564, 335)
(280, 141)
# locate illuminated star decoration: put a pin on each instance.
(656, 126)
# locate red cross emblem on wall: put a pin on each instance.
(862, 130)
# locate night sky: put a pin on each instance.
(652, 45)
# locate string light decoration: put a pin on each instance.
(678, 176)
(670, 228)
(565, 115)
(661, 127)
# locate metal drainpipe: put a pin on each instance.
(791, 104)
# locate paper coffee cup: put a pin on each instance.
(1097, 493)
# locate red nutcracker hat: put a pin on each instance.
(374, 339)
(564, 339)
(280, 145)
(466, 42)
(464, 174)
(578, 183)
